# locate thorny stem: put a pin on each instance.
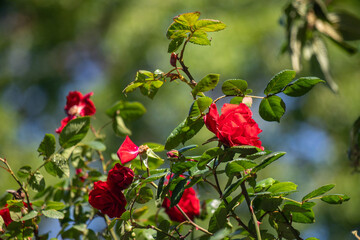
(295, 233)
(26, 194)
(185, 68)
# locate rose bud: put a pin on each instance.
(173, 59)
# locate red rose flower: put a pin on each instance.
(64, 122)
(5, 214)
(235, 126)
(79, 105)
(120, 177)
(189, 203)
(108, 201)
(127, 151)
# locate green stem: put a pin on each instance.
(112, 232)
(257, 227)
(251, 210)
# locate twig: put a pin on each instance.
(29, 207)
(191, 222)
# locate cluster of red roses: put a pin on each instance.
(107, 196)
(77, 105)
(233, 128)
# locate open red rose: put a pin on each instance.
(235, 126)
(189, 203)
(109, 201)
(79, 105)
(5, 214)
(120, 177)
(127, 151)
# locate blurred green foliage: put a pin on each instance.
(48, 48)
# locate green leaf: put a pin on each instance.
(125, 216)
(55, 205)
(164, 226)
(267, 203)
(96, 145)
(140, 211)
(145, 195)
(279, 81)
(30, 215)
(244, 149)
(282, 188)
(119, 127)
(156, 147)
(177, 30)
(266, 160)
(47, 146)
(177, 193)
(335, 198)
(200, 38)
(203, 103)
(208, 155)
(58, 167)
(74, 131)
(154, 177)
(318, 192)
(219, 219)
(208, 83)
(312, 238)
(175, 44)
(298, 213)
(264, 184)
(51, 213)
(112, 224)
(24, 171)
(148, 82)
(236, 100)
(127, 110)
(209, 25)
(182, 133)
(181, 167)
(37, 182)
(301, 86)
(238, 165)
(272, 108)
(234, 186)
(234, 87)
(187, 19)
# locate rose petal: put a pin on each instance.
(127, 151)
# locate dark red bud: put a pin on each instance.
(173, 59)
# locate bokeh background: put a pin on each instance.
(48, 48)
